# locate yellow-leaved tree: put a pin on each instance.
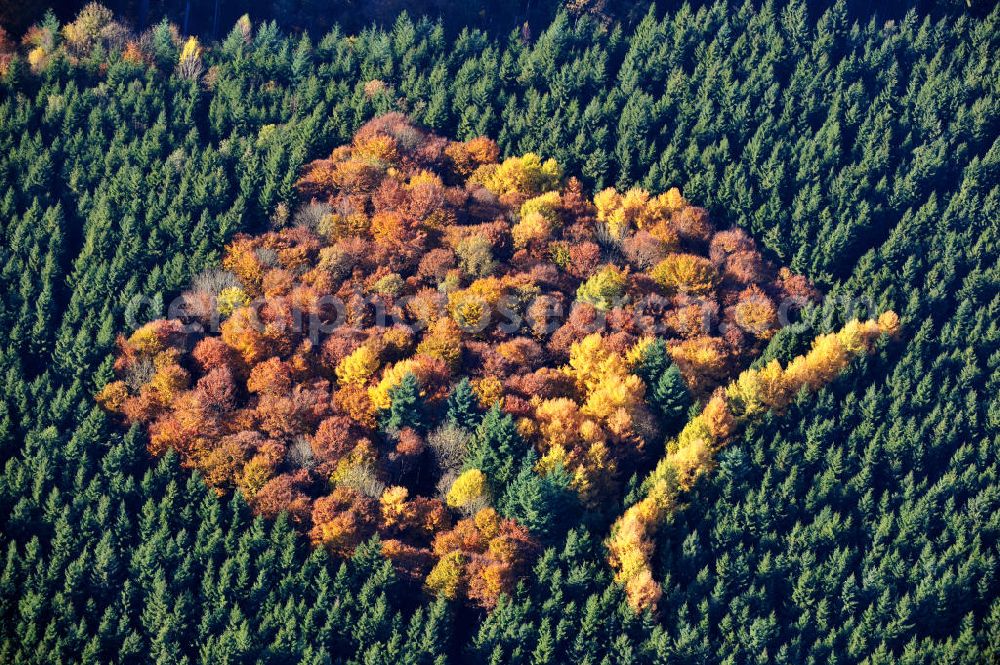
(469, 492)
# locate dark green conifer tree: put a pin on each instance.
(406, 406)
(463, 406)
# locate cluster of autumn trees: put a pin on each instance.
(338, 367)
(95, 32)
(95, 27)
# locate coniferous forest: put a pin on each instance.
(633, 335)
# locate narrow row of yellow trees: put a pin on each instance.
(692, 454)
